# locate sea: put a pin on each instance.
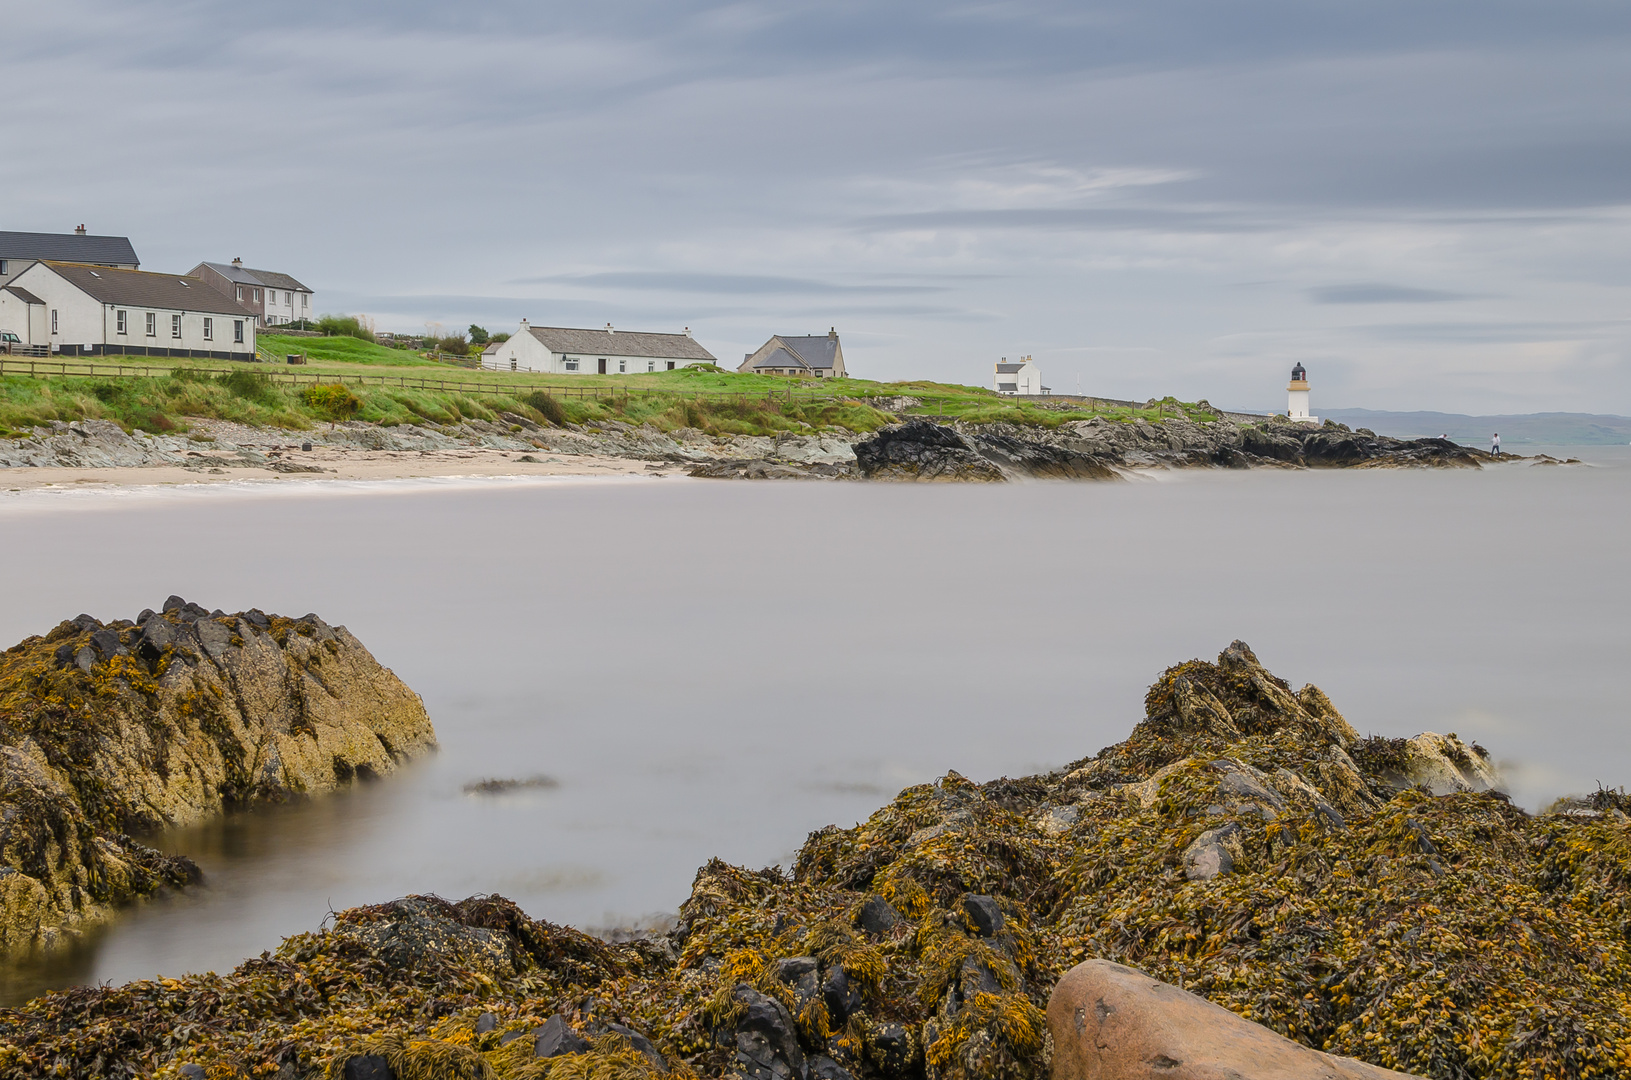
(708, 668)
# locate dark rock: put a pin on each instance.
(556, 1037)
(922, 450)
(510, 1036)
(841, 997)
(823, 1067)
(486, 1022)
(305, 445)
(257, 618)
(642, 1044)
(174, 603)
(1030, 457)
(64, 654)
(158, 634)
(983, 914)
(1207, 857)
(767, 1046)
(1329, 816)
(193, 1071)
(877, 916)
(86, 622)
(107, 643)
(977, 977)
(892, 1049)
(367, 1067)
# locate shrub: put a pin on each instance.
(345, 326)
(454, 344)
(334, 401)
(478, 335)
(547, 407)
(249, 385)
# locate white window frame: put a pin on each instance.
(175, 327)
(237, 331)
(209, 328)
(152, 325)
(651, 365)
(257, 296)
(121, 322)
(571, 363)
(53, 320)
(622, 367)
(5, 266)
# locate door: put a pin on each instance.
(603, 365)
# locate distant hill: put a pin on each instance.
(1553, 429)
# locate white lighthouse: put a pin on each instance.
(1297, 397)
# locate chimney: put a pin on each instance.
(609, 329)
(833, 333)
(237, 262)
(523, 326)
(80, 231)
(687, 331)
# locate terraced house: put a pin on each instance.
(276, 299)
(82, 310)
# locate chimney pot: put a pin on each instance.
(832, 332)
(237, 262)
(80, 231)
(609, 329)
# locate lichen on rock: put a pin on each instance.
(109, 730)
(1245, 843)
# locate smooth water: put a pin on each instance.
(713, 668)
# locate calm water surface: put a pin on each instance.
(717, 669)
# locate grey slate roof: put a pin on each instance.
(816, 350)
(1008, 369)
(70, 247)
(619, 343)
(782, 358)
(141, 289)
(243, 275)
(24, 295)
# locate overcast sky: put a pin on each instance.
(1427, 202)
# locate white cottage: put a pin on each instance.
(1023, 378)
(84, 310)
(557, 350)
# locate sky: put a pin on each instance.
(1428, 203)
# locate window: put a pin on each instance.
(175, 326)
(53, 320)
(571, 364)
(273, 296)
(240, 291)
(622, 365)
(5, 266)
(119, 319)
(152, 324)
(209, 328)
(305, 299)
(238, 331)
(651, 365)
(257, 296)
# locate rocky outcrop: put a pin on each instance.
(1245, 844)
(114, 729)
(1100, 448)
(1110, 1022)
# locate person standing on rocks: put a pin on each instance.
(1495, 445)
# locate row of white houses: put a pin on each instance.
(80, 309)
(561, 350)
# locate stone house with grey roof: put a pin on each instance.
(78, 309)
(557, 350)
(812, 356)
(276, 299)
(19, 249)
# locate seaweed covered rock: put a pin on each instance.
(112, 729)
(1244, 843)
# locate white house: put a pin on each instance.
(812, 356)
(558, 350)
(84, 310)
(18, 249)
(276, 298)
(1297, 397)
(1024, 377)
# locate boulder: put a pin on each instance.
(922, 450)
(877, 917)
(765, 1039)
(556, 1037)
(1111, 1022)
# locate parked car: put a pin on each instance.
(8, 338)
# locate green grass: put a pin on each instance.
(666, 400)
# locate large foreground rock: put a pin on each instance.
(119, 728)
(1110, 1022)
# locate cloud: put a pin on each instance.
(732, 284)
(1376, 293)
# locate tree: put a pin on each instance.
(478, 335)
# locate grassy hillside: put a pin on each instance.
(364, 381)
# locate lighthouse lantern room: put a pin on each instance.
(1297, 397)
